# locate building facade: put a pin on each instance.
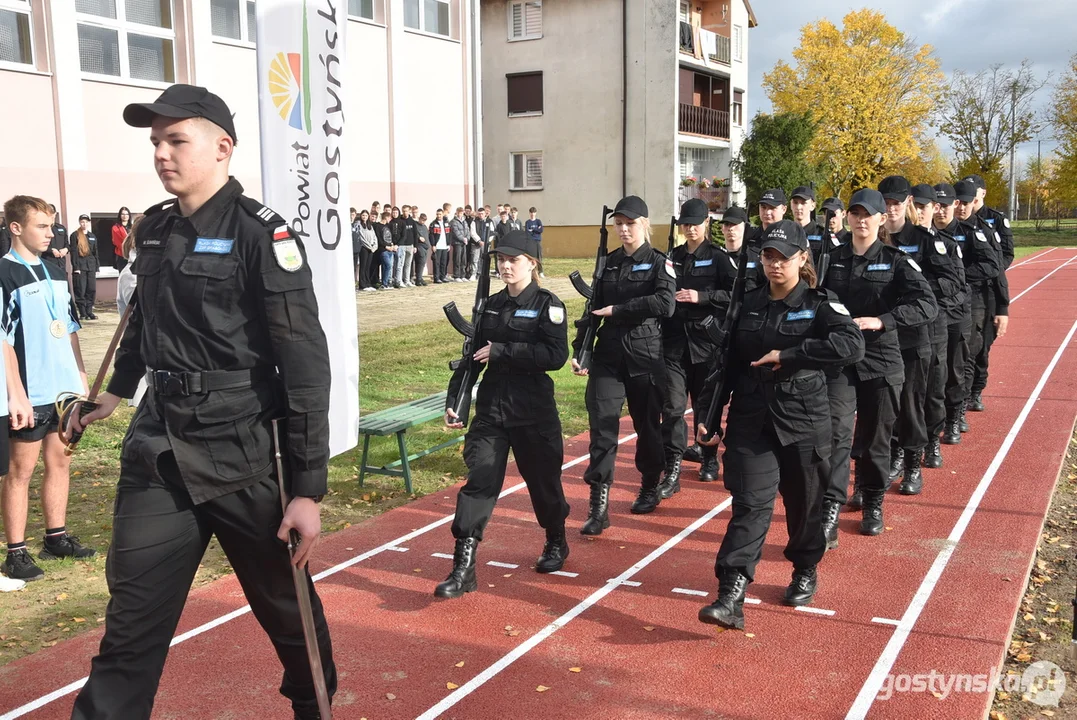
(68, 68)
(584, 102)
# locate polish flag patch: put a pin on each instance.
(281, 233)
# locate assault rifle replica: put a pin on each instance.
(825, 247)
(590, 321)
(722, 337)
(461, 404)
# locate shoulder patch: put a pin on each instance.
(264, 215)
(915, 266)
(1006, 222)
(286, 250)
(980, 236)
(839, 308)
(959, 253)
(556, 314)
(669, 269)
(940, 247)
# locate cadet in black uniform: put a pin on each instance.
(226, 331)
(84, 266)
(802, 204)
(1001, 225)
(524, 326)
(838, 233)
(778, 427)
(884, 290)
(59, 245)
(633, 295)
(984, 261)
(688, 349)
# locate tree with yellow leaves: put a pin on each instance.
(872, 92)
(1063, 117)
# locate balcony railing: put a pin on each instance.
(696, 120)
(724, 53)
(717, 199)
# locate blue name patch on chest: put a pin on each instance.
(910, 249)
(704, 263)
(750, 265)
(878, 266)
(526, 313)
(641, 266)
(800, 315)
(816, 238)
(990, 221)
(215, 246)
(959, 238)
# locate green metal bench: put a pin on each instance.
(396, 421)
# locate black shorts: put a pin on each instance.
(46, 420)
(5, 453)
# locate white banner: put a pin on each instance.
(301, 113)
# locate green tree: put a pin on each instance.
(774, 154)
(1062, 115)
(994, 174)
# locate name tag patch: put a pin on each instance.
(750, 264)
(704, 263)
(816, 238)
(990, 221)
(151, 242)
(215, 246)
(800, 315)
(878, 266)
(959, 238)
(641, 266)
(909, 249)
(526, 313)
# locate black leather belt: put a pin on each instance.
(167, 382)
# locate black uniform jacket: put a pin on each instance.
(699, 271)
(814, 231)
(754, 276)
(984, 259)
(86, 264)
(882, 283)
(998, 222)
(640, 287)
(530, 338)
(212, 295)
(937, 257)
(814, 333)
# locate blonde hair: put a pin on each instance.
(646, 228)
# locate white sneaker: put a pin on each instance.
(10, 584)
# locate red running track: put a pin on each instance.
(938, 591)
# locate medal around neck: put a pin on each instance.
(57, 329)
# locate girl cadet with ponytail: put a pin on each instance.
(778, 435)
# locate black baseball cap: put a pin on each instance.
(870, 200)
(965, 190)
(773, 198)
(182, 101)
(517, 242)
(694, 212)
(785, 236)
(923, 194)
(978, 181)
(895, 187)
(631, 207)
(803, 192)
(83, 216)
(945, 194)
(734, 216)
(833, 203)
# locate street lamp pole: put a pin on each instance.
(1013, 155)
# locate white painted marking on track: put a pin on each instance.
(564, 573)
(686, 591)
(752, 601)
(885, 663)
(1026, 290)
(397, 549)
(443, 556)
(1032, 257)
(523, 648)
(629, 583)
(206, 627)
(495, 563)
(814, 611)
(885, 621)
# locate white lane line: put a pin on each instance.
(564, 573)
(443, 556)
(206, 627)
(1032, 257)
(890, 653)
(1025, 291)
(397, 549)
(686, 591)
(814, 611)
(752, 601)
(495, 563)
(885, 621)
(629, 583)
(523, 648)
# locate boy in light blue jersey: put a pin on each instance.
(43, 360)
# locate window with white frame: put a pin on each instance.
(738, 43)
(430, 16)
(233, 19)
(361, 9)
(525, 20)
(16, 32)
(526, 171)
(683, 13)
(737, 109)
(131, 39)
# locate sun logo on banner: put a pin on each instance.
(289, 84)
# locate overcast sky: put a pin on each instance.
(967, 35)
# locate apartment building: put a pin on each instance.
(583, 102)
(68, 67)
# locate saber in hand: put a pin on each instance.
(302, 594)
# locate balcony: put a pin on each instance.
(717, 199)
(724, 53)
(696, 120)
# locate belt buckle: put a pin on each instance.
(167, 382)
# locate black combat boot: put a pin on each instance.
(648, 497)
(671, 479)
(872, 520)
(802, 589)
(462, 578)
(856, 500)
(307, 713)
(913, 482)
(598, 516)
(976, 403)
(694, 454)
(951, 432)
(963, 421)
(897, 462)
(708, 470)
(728, 610)
(933, 453)
(555, 552)
(830, 523)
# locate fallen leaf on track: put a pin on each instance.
(575, 669)
(451, 686)
(459, 664)
(541, 688)
(648, 628)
